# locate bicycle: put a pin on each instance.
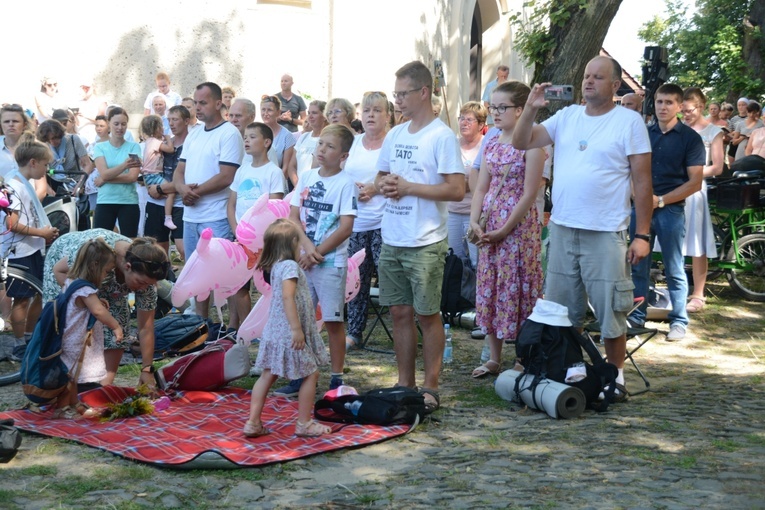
(10, 371)
(739, 230)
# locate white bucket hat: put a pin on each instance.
(550, 313)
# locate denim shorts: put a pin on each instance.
(192, 231)
(588, 264)
(413, 276)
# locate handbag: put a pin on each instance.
(471, 236)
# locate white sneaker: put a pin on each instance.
(676, 333)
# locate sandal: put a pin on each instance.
(695, 304)
(252, 430)
(434, 403)
(485, 370)
(311, 429)
(66, 413)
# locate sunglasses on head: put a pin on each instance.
(152, 269)
(268, 99)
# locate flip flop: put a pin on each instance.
(432, 405)
(484, 369)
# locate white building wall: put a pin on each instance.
(337, 48)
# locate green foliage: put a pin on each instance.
(705, 47)
(533, 34)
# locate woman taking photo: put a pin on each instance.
(118, 162)
(361, 166)
(140, 264)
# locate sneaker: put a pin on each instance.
(634, 323)
(335, 382)
(291, 390)
(676, 333)
(18, 353)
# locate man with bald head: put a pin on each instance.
(293, 107)
(633, 102)
(599, 151)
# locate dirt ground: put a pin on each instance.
(696, 440)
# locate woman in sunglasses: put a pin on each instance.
(141, 262)
(47, 99)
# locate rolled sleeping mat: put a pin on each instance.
(556, 399)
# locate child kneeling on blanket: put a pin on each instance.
(290, 346)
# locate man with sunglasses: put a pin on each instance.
(419, 170)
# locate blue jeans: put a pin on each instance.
(192, 231)
(668, 225)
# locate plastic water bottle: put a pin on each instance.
(448, 345)
(353, 407)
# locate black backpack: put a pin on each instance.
(10, 440)
(178, 333)
(385, 406)
(458, 288)
(546, 352)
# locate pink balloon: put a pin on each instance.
(352, 278)
(257, 219)
(218, 266)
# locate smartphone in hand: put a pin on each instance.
(559, 93)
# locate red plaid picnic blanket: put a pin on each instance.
(197, 423)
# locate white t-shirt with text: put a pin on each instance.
(423, 157)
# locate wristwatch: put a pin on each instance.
(148, 370)
(644, 237)
(159, 190)
(661, 202)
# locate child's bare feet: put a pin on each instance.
(311, 429)
(169, 223)
(255, 429)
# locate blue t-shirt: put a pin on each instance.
(113, 193)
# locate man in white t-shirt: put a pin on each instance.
(503, 72)
(205, 171)
(600, 150)
(163, 89)
(194, 123)
(419, 170)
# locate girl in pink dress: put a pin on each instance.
(509, 274)
(291, 346)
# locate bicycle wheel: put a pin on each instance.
(749, 281)
(18, 281)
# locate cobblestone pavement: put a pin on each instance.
(697, 440)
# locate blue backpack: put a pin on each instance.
(44, 376)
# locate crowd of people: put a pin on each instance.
(398, 184)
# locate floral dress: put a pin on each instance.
(509, 275)
(114, 292)
(276, 352)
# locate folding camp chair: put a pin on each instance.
(640, 335)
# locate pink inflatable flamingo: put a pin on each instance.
(218, 266)
(256, 220)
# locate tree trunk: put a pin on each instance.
(754, 41)
(576, 43)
